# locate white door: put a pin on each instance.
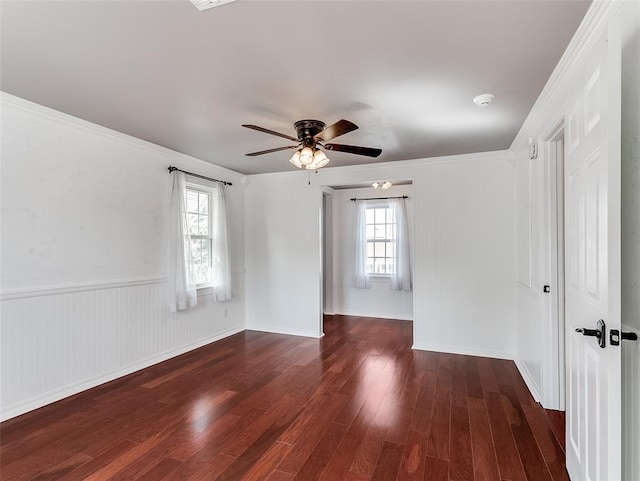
(592, 269)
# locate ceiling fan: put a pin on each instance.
(311, 135)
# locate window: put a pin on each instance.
(381, 237)
(200, 230)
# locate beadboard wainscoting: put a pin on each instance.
(463, 249)
(58, 342)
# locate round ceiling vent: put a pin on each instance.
(484, 100)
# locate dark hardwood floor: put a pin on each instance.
(356, 405)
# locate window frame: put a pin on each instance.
(195, 187)
(387, 240)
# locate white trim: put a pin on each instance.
(374, 315)
(506, 155)
(27, 292)
(529, 380)
(58, 394)
(288, 332)
(57, 116)
(553, 365)
(467, 351)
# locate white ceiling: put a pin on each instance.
(404, 71)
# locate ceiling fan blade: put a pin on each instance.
(272, 132)
(278, 149)
(341, 127)
(354, 149)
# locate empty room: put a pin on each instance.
(320, 240)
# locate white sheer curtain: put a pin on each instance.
(401, 276)
(221, 266)
(182, 288)
(361, 278)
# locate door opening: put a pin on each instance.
(554, 389)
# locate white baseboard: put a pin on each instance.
(66, 391)
(462, 350)
(528, 379)
(374, 315)
(288, 332)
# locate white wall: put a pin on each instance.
(534, 351)
(283, 254)
(464, 237)
(631, 238)
(380, 300)
(83, 257)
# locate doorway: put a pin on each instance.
(339, 297)
(555, 388)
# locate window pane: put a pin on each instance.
(370, 249)
(379, 231)
(379, 249)
(379, 266)
(370, 215)
(369, 266)
(203, 201)
(192, 201)
(370, 232)
(201, 253)
(380, 216)
(203, 226)
(390, 266)
(192, 223)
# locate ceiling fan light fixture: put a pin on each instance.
(295, 160)
(386, 185)
(319, 159)
(306, 156)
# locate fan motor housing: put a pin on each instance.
(307, 129)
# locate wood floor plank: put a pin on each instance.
(389, 462)
(474, 380)
(485, 463)
(551, 450)
(357, 405)
(266, 465)
(414, 457)
(165, 469)
(459, 382)
(509, 461)
(525, 441)
(436, 469)
(421, 417)
(557, 423)
(487, 375)
(461, 459)
(439, 434)
(280, 476)
(315, 464)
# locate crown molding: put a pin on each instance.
(423, 162)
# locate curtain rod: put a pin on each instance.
(172, 168)
(381, 198)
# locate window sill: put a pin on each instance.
(380, 279)
(204, 290)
